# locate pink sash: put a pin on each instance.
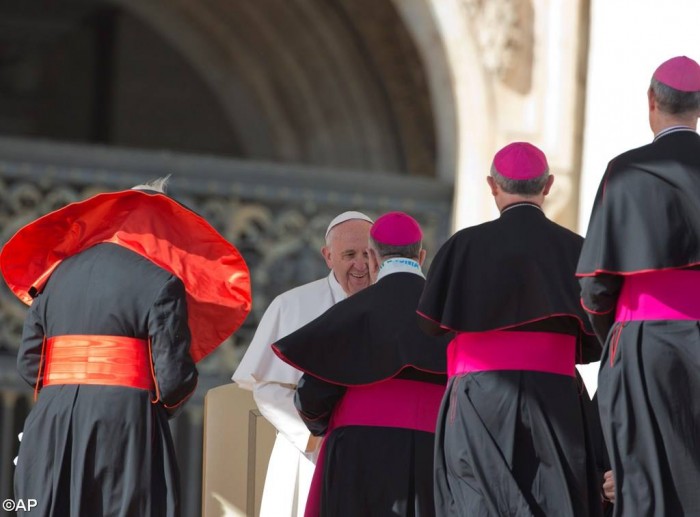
(511, 350)
(660, 295)
(393, 403)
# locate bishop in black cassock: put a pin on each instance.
(640, 283)
(512, 437)
(372, 385)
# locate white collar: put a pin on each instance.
(521, 203)
(337, 291)
(672, 129)
(399, 265)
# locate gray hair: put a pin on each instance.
(411, 251)
(157, 185)
(672, 101)
(530, 187)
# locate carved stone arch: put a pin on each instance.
(309, 81)
(462, 97)
(171, 22)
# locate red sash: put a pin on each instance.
(98, 360)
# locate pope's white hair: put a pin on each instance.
(157, 185)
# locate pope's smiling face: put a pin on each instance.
(346, 254)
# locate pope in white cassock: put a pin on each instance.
(273, 382)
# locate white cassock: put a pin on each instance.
(273, 383)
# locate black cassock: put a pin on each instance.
(105, 450)
(512, 442)
(646, 221)
(365, 342)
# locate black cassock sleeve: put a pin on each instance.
(30, 350)
(599, 298)
(175, 371)
(315, 400)
(430, 327)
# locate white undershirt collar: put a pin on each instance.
(522, 203)
(336, 289)
(672, 129)
(399, 265)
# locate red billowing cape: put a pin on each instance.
(156, 227)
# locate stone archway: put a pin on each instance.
(501, 71)
(309, 81)
(457, 128)
(463, 100)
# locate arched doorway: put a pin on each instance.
(304, 81)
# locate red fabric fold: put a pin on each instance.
(156, 227)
